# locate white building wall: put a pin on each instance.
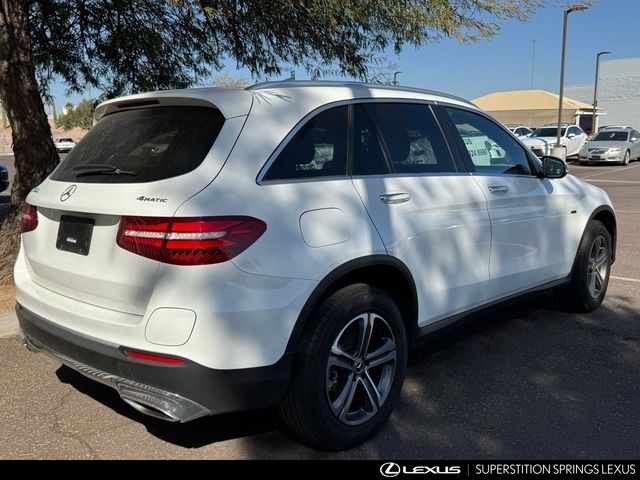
(618, 92)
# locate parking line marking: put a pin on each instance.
(626, 279)
(610, 171)
(601, 180)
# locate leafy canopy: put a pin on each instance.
(80, 115)
(124, 46)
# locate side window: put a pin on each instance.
(574, 130)
(491, 149)
(635, 135)
(318, 149)
(368, 158)
(412, 137)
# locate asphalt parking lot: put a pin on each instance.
(526, 382)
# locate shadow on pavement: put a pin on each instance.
(524, 381)
(189, 435)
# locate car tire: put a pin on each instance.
(626, 159)
(590, 276)
(336, 399)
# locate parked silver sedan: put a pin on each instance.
(612, 144)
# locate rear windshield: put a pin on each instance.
(548, 132)
(137, 146)
(608, 136)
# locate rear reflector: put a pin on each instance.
(151, 357)
(29, 218)
(189, 241)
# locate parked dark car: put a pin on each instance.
(4, 178)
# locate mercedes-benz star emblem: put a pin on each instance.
(68, 192)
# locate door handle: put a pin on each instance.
(498, 189)
(393, 198)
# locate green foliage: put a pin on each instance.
(226, 80)
(122, 46)
(80, 115)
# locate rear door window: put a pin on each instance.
(146, 145)
(412, 137)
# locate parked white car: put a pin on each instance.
(519, 131)
(64, 144)
(543, 139)
(286, 244)
(612, 144)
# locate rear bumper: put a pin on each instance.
(173, 392)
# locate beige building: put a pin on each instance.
(534, 108)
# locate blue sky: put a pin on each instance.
(504, 62)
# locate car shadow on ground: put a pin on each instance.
(215, 429)
(527, 379)
(193, 434)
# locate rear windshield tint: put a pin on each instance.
(146, 145)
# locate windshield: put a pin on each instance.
(151, 144)
(548, 132)
(611, 137)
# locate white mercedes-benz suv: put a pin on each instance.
(212, 250)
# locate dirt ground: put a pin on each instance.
(7, 298)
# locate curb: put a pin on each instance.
(8, 324)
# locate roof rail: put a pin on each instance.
(341, 83)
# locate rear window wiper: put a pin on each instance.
(100, 169)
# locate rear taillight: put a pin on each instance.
(189, 241)
(29, 218)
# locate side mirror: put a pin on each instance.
(571, 135)
(553, 167)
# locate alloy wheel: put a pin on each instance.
(360, 369)
(598, 266)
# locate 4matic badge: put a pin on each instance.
(144, 198)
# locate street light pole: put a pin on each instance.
(533, 61)
(395, 77)
(572, 8)
(594, 121)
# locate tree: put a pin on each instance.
(80, 115)
(121, 46)
(226, 80)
